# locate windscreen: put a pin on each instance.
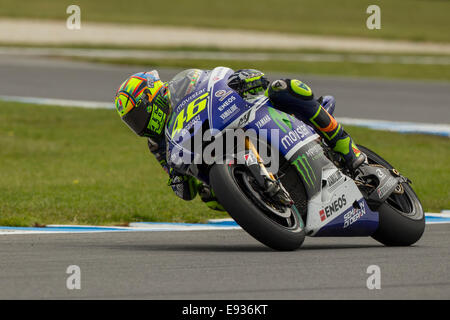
(186, 82)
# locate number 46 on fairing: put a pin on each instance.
(194, 108)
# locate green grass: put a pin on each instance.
(83, 166)
(346, 68)
(424, 20)
(71, 165)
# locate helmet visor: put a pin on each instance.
(138, 118)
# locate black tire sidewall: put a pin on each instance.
(249, 216)
(394, 228)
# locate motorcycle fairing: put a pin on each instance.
(331, 195)
(214, 103)
(339, 209)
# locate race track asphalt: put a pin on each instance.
(357, 98)
(220, 265)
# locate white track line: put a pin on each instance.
(232, 56)
(396, 126)
(59, 102)
(214, 224)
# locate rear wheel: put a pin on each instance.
(278, 227)
(402, 220)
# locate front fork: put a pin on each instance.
(265, 179)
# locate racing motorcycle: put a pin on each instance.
(309, 193)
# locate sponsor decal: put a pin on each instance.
(354, 214)
(152, 77)
(250, 159)
(151, 82)
(380, 174)
(263, 121)
(333, 208)
(192, 122)
(332, 179)
(229, 112)
(315, 151)
(226, 95)
(284, 122)
(220, 93)
(229, 101)
(298, 133)
(244, 119)
(303, 166)
(190, 98)
(386, 187)
(322, 215)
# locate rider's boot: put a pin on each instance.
(336, 137)
(353, 157)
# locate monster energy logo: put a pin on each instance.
(303, 166)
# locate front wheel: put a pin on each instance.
(401, 217)
(280, 228)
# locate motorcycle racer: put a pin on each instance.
(143, 103)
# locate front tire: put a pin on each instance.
(401, 217)
(232, 192)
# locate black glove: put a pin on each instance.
(248, 82)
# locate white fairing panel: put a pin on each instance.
(337, 196)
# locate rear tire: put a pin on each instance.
(244, 210)
(401, 217)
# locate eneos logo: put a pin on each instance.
(334, 207)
